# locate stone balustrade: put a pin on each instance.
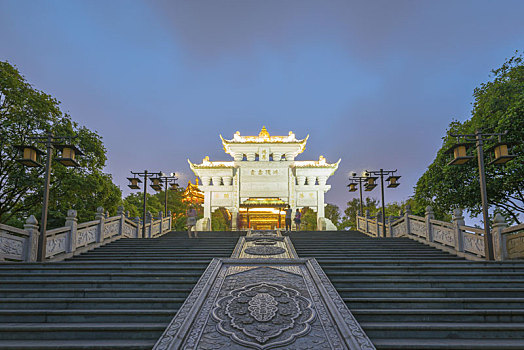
(454, 237)
(74, 238)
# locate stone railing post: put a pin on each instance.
(430, 215)
(406, 219)
(149, 219)
(367, 218)
(161, 218)
(499, 241)
(121, 212)
(31, 227)
(127, 213)
(72, 222)
(378, 221)
(138, 226)
(101, 216)
(389, 232)
(170, 216)
(458, 220)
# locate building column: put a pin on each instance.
(320, 207)
(207, 207)
(234, 217)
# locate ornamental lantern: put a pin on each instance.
(67, 155)
(393, 181)
(370, 185)
(352, 187)
(30, 156)
(459, 153)
(174, 186)
(156, 184)
(501, 153)
(133, 183)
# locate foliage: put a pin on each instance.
(155, 203)
(353, 207)
(25, 112)
(498, 107)
(332, 213)
(308, 220)
(219, 221)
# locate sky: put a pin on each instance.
(375, 83)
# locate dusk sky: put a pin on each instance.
(375, 83)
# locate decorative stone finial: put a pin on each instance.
(263, 133)
(120, 210)
(100, 210)
(31, 220)
(499, 219)
(408, 209)
(71, 213)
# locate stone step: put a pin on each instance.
(430, 292)
(94, 292)
(440, 315)
(434, 303)
(90, 344)
(423, 330)
(179, 275)
(449, 344)
(440, 275)
(428, 282)
(88, 316)
(89, 303)
(123, 284)
(81, 331)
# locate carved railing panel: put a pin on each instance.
(473, 243)
(444, 235)
(515, 245)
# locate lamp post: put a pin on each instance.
(165, 178)
(133, 184)
(354, 181)
(460, 156)
(393, 182)
(29, 157)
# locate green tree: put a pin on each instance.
(219, 221)
(332, 212)
(26, 111)
(498, 107)
(308, 221)
(348, 222)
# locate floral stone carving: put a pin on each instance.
(263, 315)
(264, 250)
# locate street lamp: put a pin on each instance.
(133, 184)
(459, 153)
(173, 185)
(393, 183)
(30, 156)
(357, 180)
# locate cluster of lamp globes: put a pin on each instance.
(369, 180)
(155, 182)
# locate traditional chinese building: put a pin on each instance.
(262, 179)
(192, 194)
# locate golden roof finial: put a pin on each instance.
(263, 133)
(196, 181)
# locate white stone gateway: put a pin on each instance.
(263, 178)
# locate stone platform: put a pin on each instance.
(264, 297)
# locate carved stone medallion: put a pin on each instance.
(263, 315)
(264, 250)
(265, 242)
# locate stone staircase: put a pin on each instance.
(119, 296)
(407, 295)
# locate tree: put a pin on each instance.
(25, 111)
(353, 207)
(333, 213)
(498, 106)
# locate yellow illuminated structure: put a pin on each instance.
(192, 194)
(262, 180)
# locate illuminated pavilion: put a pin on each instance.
(262, 180)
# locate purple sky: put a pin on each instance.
(373, 82)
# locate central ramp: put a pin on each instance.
(264, 297)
